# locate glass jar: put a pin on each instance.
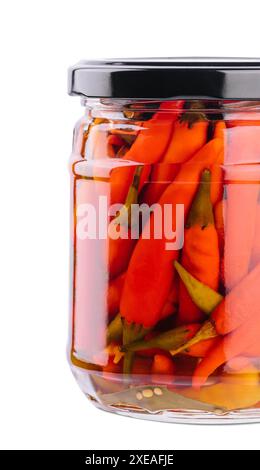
(165, 238)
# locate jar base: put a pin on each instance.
(90, 384)
(248, 416)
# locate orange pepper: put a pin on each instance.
(163, 369)
(230, 346)
(200, 254)
(186, 140)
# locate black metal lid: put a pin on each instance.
(210, 78)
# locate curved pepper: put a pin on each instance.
(202, 348)
(229, 346)
(186, 140)
(200, 237)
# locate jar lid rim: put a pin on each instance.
(166, 78)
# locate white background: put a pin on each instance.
(40, 403)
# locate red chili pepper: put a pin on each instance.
(148, 148)
(228, 347)
(202, 348)
(163, 369)
(186, 140)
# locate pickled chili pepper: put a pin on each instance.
(240, 223)
(148, 148)
(150, 274)
(186, 140)
(230, 346)
(255, 255)
(152, 142)
(114, 294)
(165, 341)
(207, 331)
(131, 333)
(120, 249)
(115, 327)
(200, 237)
(152, 351)
(237, 309)
(205, 298)
(202, 348)
(162, 366)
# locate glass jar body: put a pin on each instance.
(165, 232)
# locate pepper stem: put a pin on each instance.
(201, 212)
(207, 331)
(167, 340)
(131, 332)
(115, 329)
(194, 113)
(123, 217)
